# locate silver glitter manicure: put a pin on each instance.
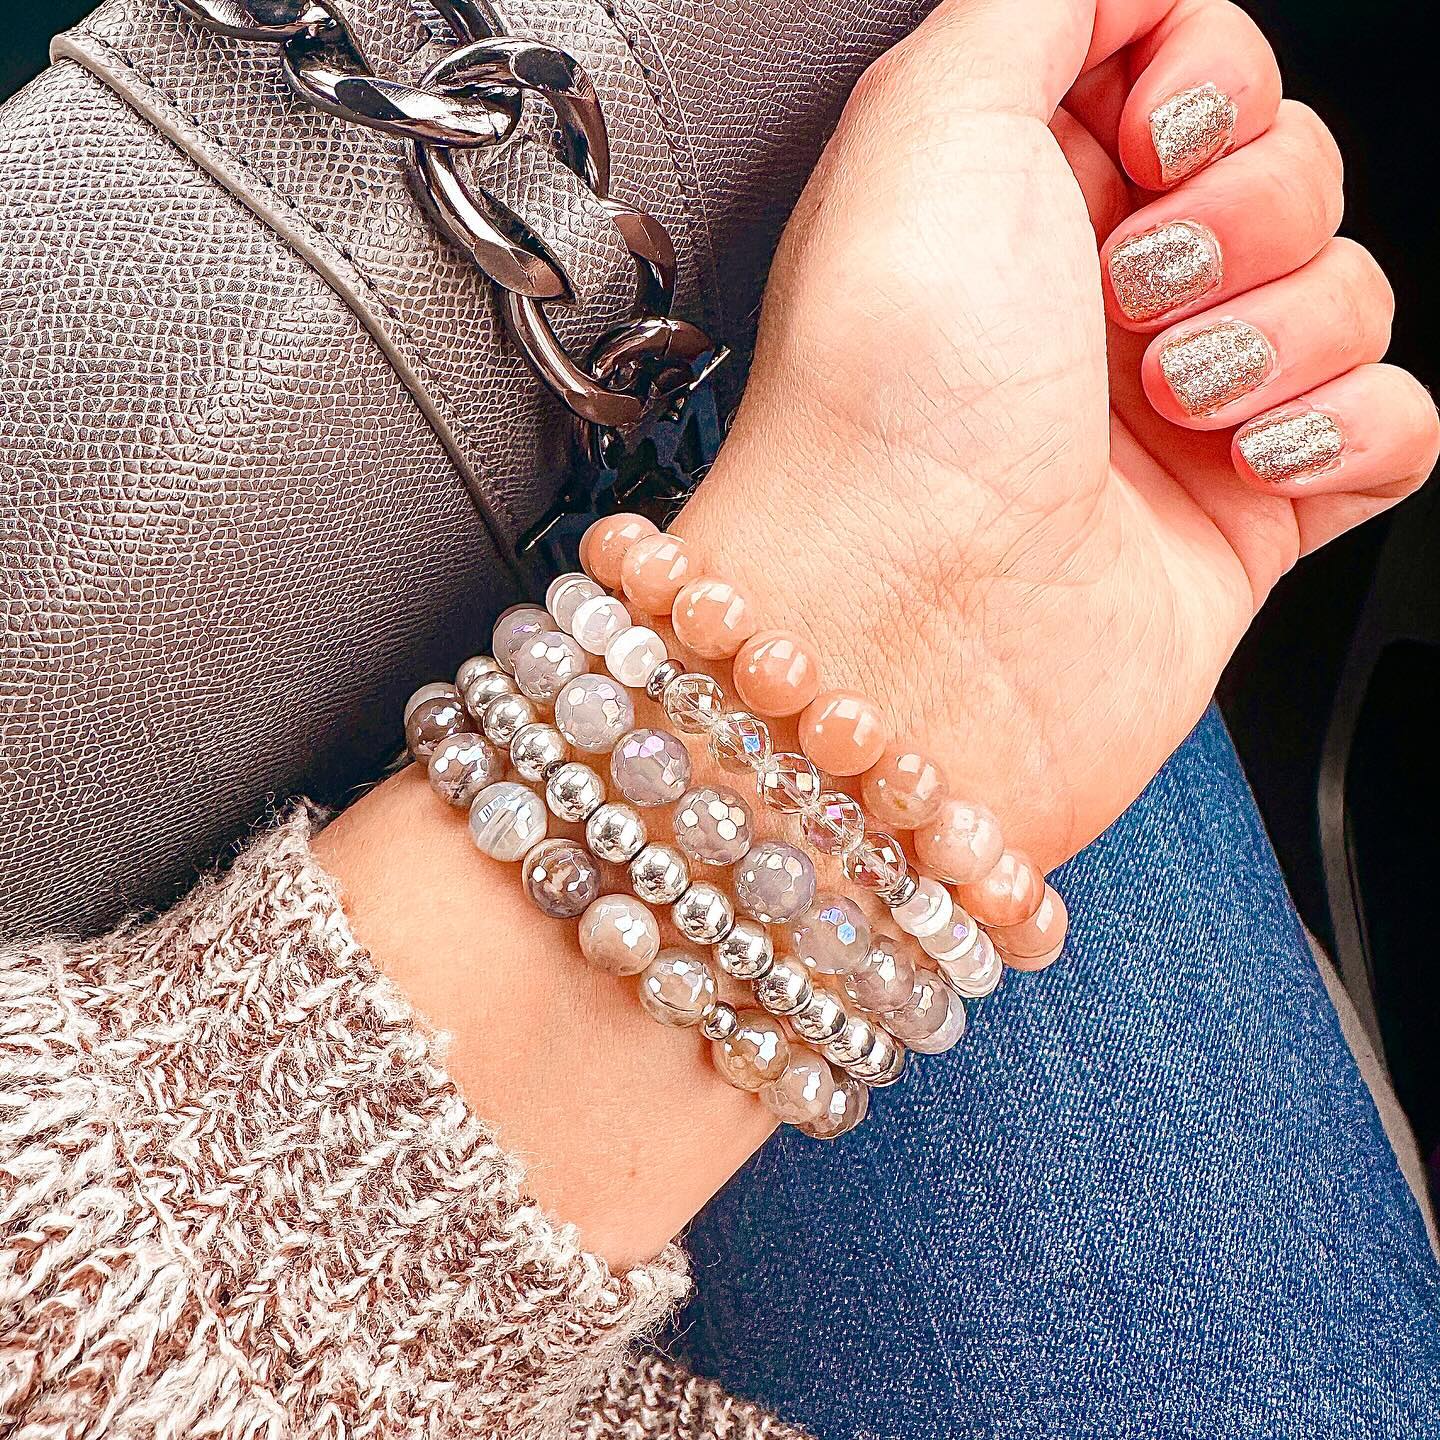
(1211, 368)
(1291, 447)
(1160, 270)
(1190, 129)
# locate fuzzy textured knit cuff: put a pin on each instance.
(240, 1197)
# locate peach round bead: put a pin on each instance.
(905, 789)
(1034, 943)
(776, 673)
(654, 572)
(608, 541)
(1009, 895)
(842, 732)
(962, 844)
(712, 618)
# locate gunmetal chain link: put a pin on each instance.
(473, 97)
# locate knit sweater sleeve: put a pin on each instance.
(240, 1197)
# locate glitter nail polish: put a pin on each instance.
(1208, 369)
(1190, 129)
(1293, 446)
(1162, 269)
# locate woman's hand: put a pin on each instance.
(959, 467)
(959, 470)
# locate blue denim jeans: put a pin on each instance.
(1148, 1196)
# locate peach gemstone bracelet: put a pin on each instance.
(843, 734)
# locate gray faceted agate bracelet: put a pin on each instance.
(467, 732)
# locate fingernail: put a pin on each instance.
(1208, 369)
(1291, 447)
(1190, 129)
(1163, 269)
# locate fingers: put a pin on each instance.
(1209, 84)
(1247, 219)
(1273, 344)
(1374, 431)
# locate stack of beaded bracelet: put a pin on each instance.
(842, 733)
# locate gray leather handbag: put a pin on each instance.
(273, 430)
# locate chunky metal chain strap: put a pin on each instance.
(471, 98)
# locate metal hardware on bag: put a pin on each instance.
(649, 369)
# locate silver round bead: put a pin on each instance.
(904, 892)
(504, 715)
(472, 669)
(821, 1020)
(661, 676)
(746, 951)
(537, 749)
(704, 913)
(892, 1072)
(485, 688)
(853, 1043)
(574, 792)
(659, 874)
(878, 1060)
(721, 1023)
(616, 833)
(785, 988)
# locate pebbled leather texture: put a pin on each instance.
(264, 446)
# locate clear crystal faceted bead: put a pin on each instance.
(694, 702)
(740, 741)
(877, 863)
(788, 783)
(834, 824)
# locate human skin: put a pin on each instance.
(960, 472)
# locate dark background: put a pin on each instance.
(1320, 665)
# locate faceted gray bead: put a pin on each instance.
(923, 1013)
(950, 1032)
(803, 1093)
(514, 626)
(677, 988)
(774, 882)
(849, 1104)
(615, 833)
(712, 825)
(659, 874)
(650, 767)
(435, 690)
(546, 663)
(433, 719)
(619, 935)
(593, 712)
(853, 1043)
(461, 767)
(574, 792)
(884, 979)
(833, 935)
(507, 819)
(562, 878)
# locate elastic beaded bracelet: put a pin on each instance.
(842, 733)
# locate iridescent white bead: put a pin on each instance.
(774, 882)
(615, 833)
(785, 987)
(659, 874)
(461, 767)
(515, 626)
(712, 825)
(677, 988)
(546, 663)
(593, 712)
(598, 621)
(703, 913)
(928, 910)
(634, 655)
(849, 1104)
(504, 716)
(650, 767)
(954, 939)
(574, 792)
(619, 935)
(507, 819)
(950, 1033)
(567, 593)
(832, 936)
(434, 718)
(978, 972)
(884, 979)
(803, 1093)
(537, 749)
(746, 951)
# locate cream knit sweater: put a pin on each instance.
(240, 1198)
